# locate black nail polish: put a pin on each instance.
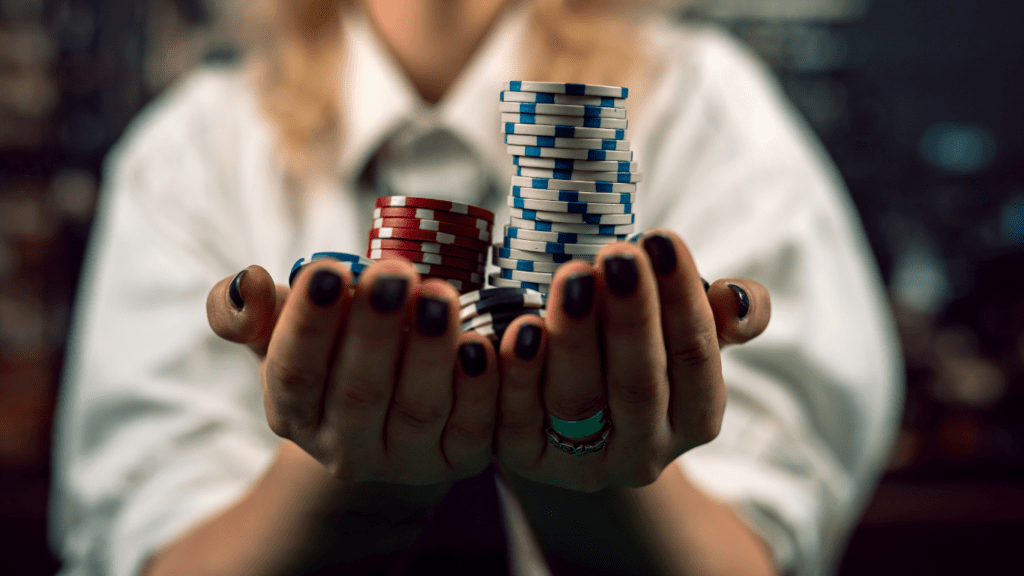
(578, 295)
(388, 293)
(744, 300)
(324, 287)
(527, 341)
(706, 285)
(663, 254)
(473, 358)
(432, 316)
(235, 291)
(622, 274)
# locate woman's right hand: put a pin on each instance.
(367, 381)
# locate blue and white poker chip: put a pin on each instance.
(570, 154)
(574, 185)
(495, 279)
(561, 110)
(501, 317)
(567, 88)
(567, 143)
(526, 265)
(580, 175)
(539, 277)
(572, 196)
(516, 254)
(602, 229)
(570, 165)
(353, 262)
(569, 207)
(549, 98)
(553, 247)
(563, 131)
(562, 237)
(566, 218)
(573, 121)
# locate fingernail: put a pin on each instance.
(706, 285)
(432, 316)
(527, 341)
(388, 293)
(235, 291)
(324, 287)
(663, 254)
(473, 358)
(622, 274)
(744, 300)
(579, 295)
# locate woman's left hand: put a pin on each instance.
(636, 332)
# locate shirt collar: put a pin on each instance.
(376, 97)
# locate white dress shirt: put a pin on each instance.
(161, 425)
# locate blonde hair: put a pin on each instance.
(294, 50)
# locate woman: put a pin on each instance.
(165, 460)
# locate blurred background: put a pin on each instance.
(918, 101)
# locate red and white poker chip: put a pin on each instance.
(429, 236)
(434, 204)
(426, 258)
(427, 247)
(439, 215)
(433, 225)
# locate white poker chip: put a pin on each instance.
(572, 196)
(567, 88)
(569, 207)
(541, 277)
(574, 185)
(561, 110)
(562, 237)
(570, 154)
(553, 247)
(599, 229)
(563, 217)
(523, 297)
(570, 165)
(567, 143)
(526, 265)
(563, 131)
(501, 317)
(575, 121)
(580, 175)
(495, 279)
(516, 254)
(549, 98)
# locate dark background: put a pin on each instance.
(918, 101)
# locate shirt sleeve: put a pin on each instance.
(159, 421)
(814, 402)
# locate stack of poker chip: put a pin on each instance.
(490, 311)
(575, 180)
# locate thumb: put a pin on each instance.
(244, 308)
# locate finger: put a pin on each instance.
(742, 309)
(574, 380)
(422, 400)
(365, 368)
(691, 342)
(520, 435)
(469, 433)
(244, 308)
(634, 357)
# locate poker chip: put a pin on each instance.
(526, 265)
(433, 225)
(428, 247)
(574, 185)
(549, 98)
(572, 196)
(561, 110)
(517, 254)
(495, 279)
(573, 218)
(500, 317)
(574, 121)
(448, 273)
(602, 229)
(541, 277)
(427, 258)
(437, 215)
(527, 298)
(567, 88)
(493, 332)
(579, 175)
(566, 143)
(570, 154)
(433, 204)
(473, 297)
(571, 165)
(563, 131)
(427, 236)
(562, 237)
(552, 247)
(569, 207)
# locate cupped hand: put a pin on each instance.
(376, 383)
(638, 332)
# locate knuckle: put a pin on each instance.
(472, 431)
(357, 394)
(696, 351)
(578, 408)
(289, 377)
(417, 414)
